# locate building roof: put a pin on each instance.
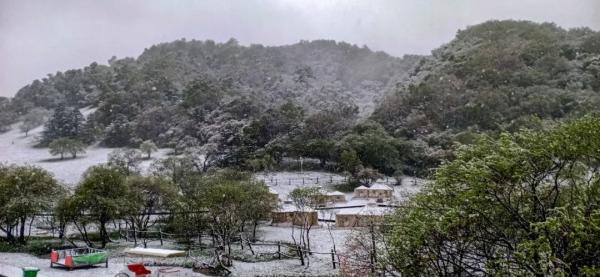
(286, 208)
(272, 191)
(361, 188)
(332, 193)
(380, 187)
(366, 210)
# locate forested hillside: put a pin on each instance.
(349, 107)
(496, 76)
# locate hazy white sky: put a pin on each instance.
(41, 37)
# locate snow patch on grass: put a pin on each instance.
(16, 148)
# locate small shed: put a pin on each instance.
(361, 217)
(288, 214)
(361, 192)
(335, 196)
(380, 191)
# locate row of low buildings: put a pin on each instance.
(349, 216)
(362, 216)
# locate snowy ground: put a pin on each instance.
(11, 264)
(285, 182)
(15, 148)
(18, 149)
(319, 263)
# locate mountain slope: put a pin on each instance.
(496, 76)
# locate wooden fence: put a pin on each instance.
(282, 249)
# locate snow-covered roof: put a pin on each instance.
(361, 187)
(272, 191)
(366, 210)
(332, 193)
(291, 208)
(380, 187)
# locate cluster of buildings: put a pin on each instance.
(366, 207)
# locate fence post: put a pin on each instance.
(290, 181)
(331, 179)
(279, 250)
(275, 182)
(160, 236)
(317, 180)
(301, 255)
(303, 181)
(333, 258)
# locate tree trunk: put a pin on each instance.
(103, 235)
(254, 231)
(22, 230)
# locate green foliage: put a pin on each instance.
(24, 191)
(367, 176)
(230, 200)
(349, 161)
(246, 101)
(99, 198)
(375, 147)
(490, 76)
(64, 123)
(35, 246)
(523, 204)
(147, 195)
(127, 161)
(62, 146)
(7, 115)
(148, 147)
(204, 93)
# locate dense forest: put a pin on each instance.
(493, 77)
(349, 108)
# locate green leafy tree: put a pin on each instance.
(375, 147)
(231, 200)
(148, 195)
(204, 92)
(349, 161)
(64, 146)
(306, 199)
(367, 176)
(522, 205)
(24, 192)
(101, 197)
(125, 160)
(66, 122)
(148, 147)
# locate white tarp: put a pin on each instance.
(155, 252)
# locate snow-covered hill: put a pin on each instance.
(16, 148)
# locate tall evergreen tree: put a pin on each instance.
(66, 122)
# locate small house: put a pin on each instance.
(289, 214)
(361, 217)
(361, 192)
(335, 197)
(380, 191)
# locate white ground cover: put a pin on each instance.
(318, 264)
(15, 148)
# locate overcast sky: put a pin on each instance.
(41, 37)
